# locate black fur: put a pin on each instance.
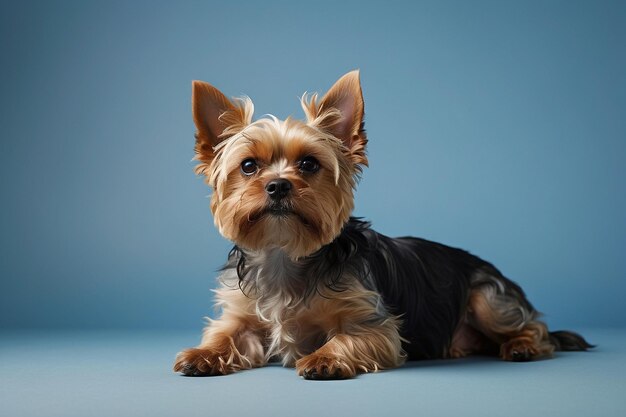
(427, 283)
(569, 341)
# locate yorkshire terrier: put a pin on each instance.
(315, 288)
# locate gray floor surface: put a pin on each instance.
(109, 373)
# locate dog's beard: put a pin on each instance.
(280, 211)
(276, 225)
(300, 225)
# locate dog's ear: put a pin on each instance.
(340, 112)
(216, 118)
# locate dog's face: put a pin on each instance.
(281, 183)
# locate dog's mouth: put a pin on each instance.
(280, 211)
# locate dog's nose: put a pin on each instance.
(278, 188)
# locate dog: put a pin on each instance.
(319, 290)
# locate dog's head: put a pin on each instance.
(284, 184)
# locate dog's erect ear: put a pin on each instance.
(340, 112)
(216, 118)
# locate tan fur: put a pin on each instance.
(323, 202)
(346, 327)
(347, 324)
(232, 343)
(215, 116)
(466, 341)
(333, 134)
(495, 320)
(341, 112)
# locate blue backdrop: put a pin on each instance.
(494, 126)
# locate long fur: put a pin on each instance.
(425, 283)
(322, 291)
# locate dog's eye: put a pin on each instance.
(309, 165)
(249, 166)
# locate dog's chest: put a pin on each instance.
(294, 333)
(299, 310)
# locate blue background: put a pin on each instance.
(497, 126)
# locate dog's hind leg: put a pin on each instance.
(499, 309)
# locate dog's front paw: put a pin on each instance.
(208, 362)
(320, 366)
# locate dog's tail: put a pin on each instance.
(569, 341)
